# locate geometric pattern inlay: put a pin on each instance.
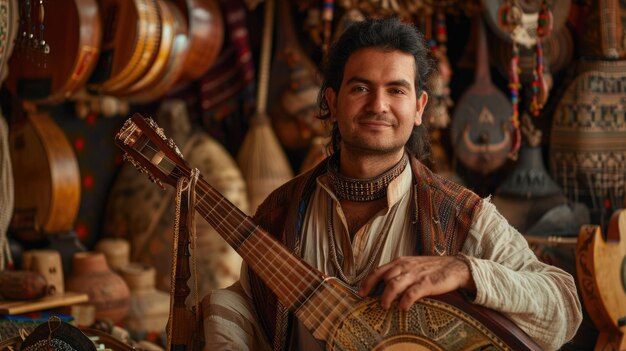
(428, 325)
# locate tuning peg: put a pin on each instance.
(156, 181)
(174, 147)
(127, 157)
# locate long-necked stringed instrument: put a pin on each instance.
(330, 310)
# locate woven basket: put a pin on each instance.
(588, 140)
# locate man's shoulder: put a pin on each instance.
(284, 196)
(425, 178)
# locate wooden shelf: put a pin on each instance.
(25, 306)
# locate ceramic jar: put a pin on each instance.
(149, 307)
(116, 251)
(107, 290)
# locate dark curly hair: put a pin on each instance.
(387, 34)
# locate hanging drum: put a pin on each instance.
(131, 36)
(158, 65)
(168, 66)
(588, 140)
(8, 32)
(56, 49)
(206, 35)
(482, 132)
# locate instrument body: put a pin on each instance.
(482, 132)
(172, 65)
(73, 34)
(131, 38)
(206, 35)
(47, 177)
(601, 273)
(332, 312)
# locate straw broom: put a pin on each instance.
(261, 158)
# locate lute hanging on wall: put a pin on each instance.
(483, 134)
(331, 311)
(56, 49)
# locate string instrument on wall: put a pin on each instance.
(601, 273)
(131, 36)
(46, 177)
(331, 311)
(294, 86)
(206, 35)
(482, 131)
(56, 49)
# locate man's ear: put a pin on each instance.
(420, 106)
(331, 101)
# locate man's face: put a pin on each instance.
(376, 108)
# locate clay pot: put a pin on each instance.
(149, 307)
(107, 290)
(116, 251)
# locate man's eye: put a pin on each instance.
(396, 91)
(359, 88)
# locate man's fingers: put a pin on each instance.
(394, 287)
(373, 278)
(412, 294)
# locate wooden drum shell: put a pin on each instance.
(174, 65)
(132, 33)
(206, 35)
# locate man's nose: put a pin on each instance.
(378, 102)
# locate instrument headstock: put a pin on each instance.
(150, 151)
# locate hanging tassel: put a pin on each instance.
(540, 85)
(509, 18)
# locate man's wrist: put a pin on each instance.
(469, 287)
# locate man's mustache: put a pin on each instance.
(375, 117)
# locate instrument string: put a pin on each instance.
(303, 274)
(325, 308)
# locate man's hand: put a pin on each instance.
(413, 277)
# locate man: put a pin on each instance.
(373, 213)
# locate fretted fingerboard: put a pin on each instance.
(291, 279)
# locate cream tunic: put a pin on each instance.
(539, 298)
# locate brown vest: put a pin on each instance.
(443, 211)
